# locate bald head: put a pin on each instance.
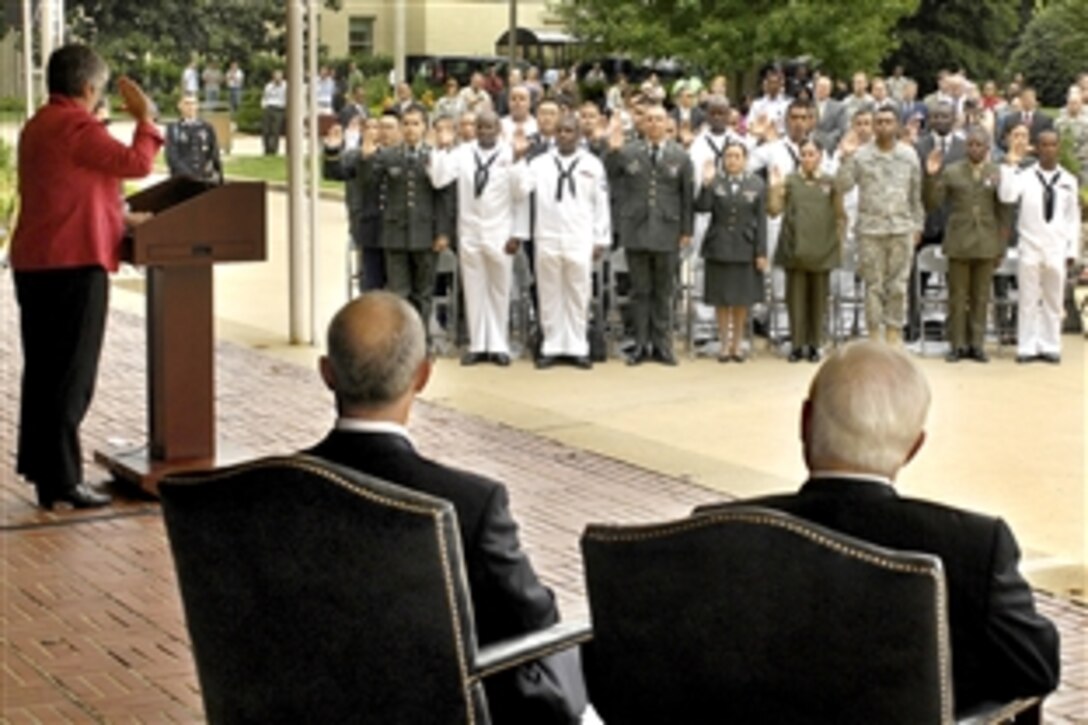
(866, 411)
(376, 347)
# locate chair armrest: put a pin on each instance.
(1026, 711)
(517, 651)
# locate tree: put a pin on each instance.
(730, 35)
(956, 34)
(1053, 49)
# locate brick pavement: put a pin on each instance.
(90, 617)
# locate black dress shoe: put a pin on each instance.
(1050, 357)
(582, 362)
(544, 362)
(472, 358)
(80, 496)
(501, 359)
(796, 354)
(636, 358)
(978, 355)
(1023, 359)
(813, 354)
(665, 357)
(739, 357)
(953, 356)
(725, 357)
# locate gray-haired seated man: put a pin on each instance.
(864, 420)
(376, 364)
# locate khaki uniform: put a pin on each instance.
(809, 247)
(890, 214)
(974, 240)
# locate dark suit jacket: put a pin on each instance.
(697, 117)
(937, 218)
(831, 125)
(1001, 647)
(507, 597)
(1039, 122)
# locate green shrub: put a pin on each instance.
(1052, 50)
(248, 117)
(12, 104)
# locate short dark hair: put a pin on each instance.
(72, 67)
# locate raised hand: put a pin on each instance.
(615, 134)
(520, 143)
(775, 176)
(710, 170)
(934, 162)
(334, 137)
(441, 243)
(849, 144)
(137, 104)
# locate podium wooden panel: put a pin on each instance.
(195, 226)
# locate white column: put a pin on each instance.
(400, 44)
(313, 38)
(301, 299)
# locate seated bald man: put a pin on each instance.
(376, 364)
(863, 421)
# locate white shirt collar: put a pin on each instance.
(355, 425)
(817, 475)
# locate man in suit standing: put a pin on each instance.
(656, 221)
(974, 240)
(1029, 115)
(831, 119)
(376, 365)
(863, 421)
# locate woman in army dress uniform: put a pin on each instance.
(735, 246)
(809, 246)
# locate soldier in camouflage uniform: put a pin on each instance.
(1072, 124)
(890, 220)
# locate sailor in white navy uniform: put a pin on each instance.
(1048, 228)
(573, 228)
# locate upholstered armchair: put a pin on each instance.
(754, 616)
(314, 593)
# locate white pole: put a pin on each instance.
(315, 150)
(400, 49)
(61, 24)
(47, 25)
(28, 58)
(299, 252)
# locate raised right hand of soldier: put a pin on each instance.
(615, 134)
(370, 142)
(137, 104)
(334, 138)
(849, 144)
(934, 162)
(774, 175)
(709, 171)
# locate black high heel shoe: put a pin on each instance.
(80, 496)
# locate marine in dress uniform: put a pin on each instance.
(415, 213)
(1048, 228)
(974, 238)
(656, 184)
(572, 227)
(482, 171)
(192, 149)
(810, 246)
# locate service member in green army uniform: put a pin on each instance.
(809, 247)
(415, 215)
(735, 246)
(975, 238)
(653, 179)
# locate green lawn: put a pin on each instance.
(265, 168)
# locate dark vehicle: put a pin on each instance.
(437, 68)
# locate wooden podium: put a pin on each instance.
(195, 226)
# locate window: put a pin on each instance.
(360, 36)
